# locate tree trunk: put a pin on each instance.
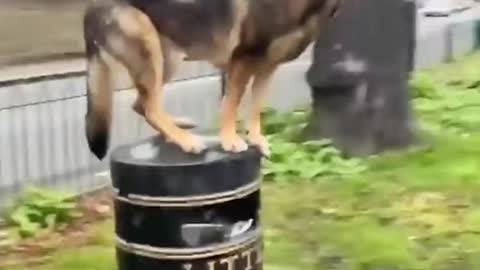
(359, 77)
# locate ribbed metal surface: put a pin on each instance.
(42, 138)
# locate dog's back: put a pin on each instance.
(190, 21)
(204, 29)
(213, 29)
(248, 37)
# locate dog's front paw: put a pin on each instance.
(188, 142)
(233, 143)
(261, 142)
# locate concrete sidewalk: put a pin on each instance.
(438, 39)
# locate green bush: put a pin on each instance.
(293, 158)
(41, 209)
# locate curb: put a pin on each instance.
(450, 40)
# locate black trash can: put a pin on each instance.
(177, 211)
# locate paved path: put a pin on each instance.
(31, 38)
(33, 28)
(429, 24)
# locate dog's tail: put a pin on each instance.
(99, 88)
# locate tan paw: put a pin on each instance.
(233, 144)
(261, 142)
(189, 143)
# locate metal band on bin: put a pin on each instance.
(189, 201)
(163, 253)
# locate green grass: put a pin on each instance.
(417, 209)
(414, 209)
(400, 214)
(98, 254)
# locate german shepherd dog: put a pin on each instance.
(246, 39)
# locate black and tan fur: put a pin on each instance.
(247, 39)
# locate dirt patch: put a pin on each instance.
(95, 208)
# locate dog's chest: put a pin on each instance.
(284, 22)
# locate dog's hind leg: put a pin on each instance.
(172, 59)
(137, 46)
(238, 76)
(261, 82)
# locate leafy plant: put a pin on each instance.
(41, 209)
(293, 158)
(422, 85)
(443, 102)
(446, 107)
